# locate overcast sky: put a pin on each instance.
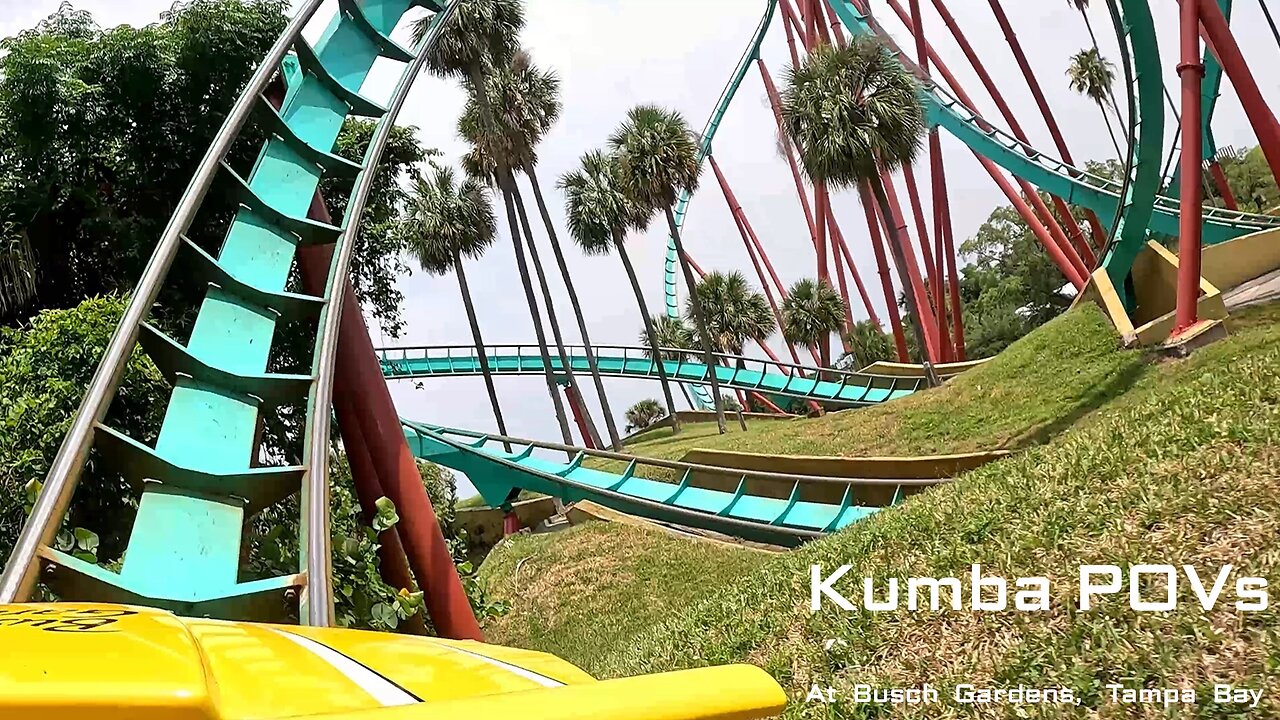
(613, 54)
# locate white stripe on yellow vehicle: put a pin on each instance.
(115, 662)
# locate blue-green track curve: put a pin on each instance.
(763, 507)
(205, 474)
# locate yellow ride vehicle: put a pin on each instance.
(85, 661)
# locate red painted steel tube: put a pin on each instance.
(838, 237)
(939, 286)
(788, 23)
(1055, 252)
(510, 524)
(579, 415)
(1224, 187)
(882, 264)
(393, 567)
(843, 285)
(836, 29)
(752, 245)
(1071, 270)
(1190, 212)
(1223, 44)
(944, 236)
(775, 102)
(358, 374)
(917, 214)
(1076, 234)
(1099, 235)
(819, 20)
(795, 22)
(820, 201)
(927, 319)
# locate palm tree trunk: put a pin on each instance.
(654, 352)
(479, 341)
(708, 358)
(1111, 93)
(610, 426)
(1120, 155)
(557, 336)
(895, 247)
(506, 183)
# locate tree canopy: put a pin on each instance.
(102, 129)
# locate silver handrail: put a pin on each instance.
(319, 575)
(19, 577)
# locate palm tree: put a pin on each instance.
(531, 103)
(855, 112)
(867, 344)
(443, 223)
(529, 109)
(735, 313)
(657, 159)
(811, 312)
(643, 414)
(599, 215)
(1092, 75)
(484, 34)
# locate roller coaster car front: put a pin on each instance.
(117, 662)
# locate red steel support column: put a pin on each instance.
(1218, 34)
(1224, 187)
(748, 240)
(359, 375)
(937, 272)
(927, 319)
(843, 284)
(838, 237)
(819, 20)
(835, 23)
(1099, 235)
(510, 523)
(790, 22)
(917, 214)
(579, 415)
(1190, 212)
(1077, 235)
(882, 264)
(821, 201)
(943, 211)
(393, 567)
(1065, 258)
(775, 101)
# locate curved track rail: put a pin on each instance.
(773, 508)
(853, 389)
(203, 478)
(670, 266)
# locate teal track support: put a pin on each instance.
(671, 268)
(203, 478)
(1141, 206)
(778, 509)
(1132, 20)
(850, 389)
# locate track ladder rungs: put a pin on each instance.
(257, 487)
(387, 47)
(309, 232)
(291, 306)
(359, 104)
(333, 165)
(174, 359)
